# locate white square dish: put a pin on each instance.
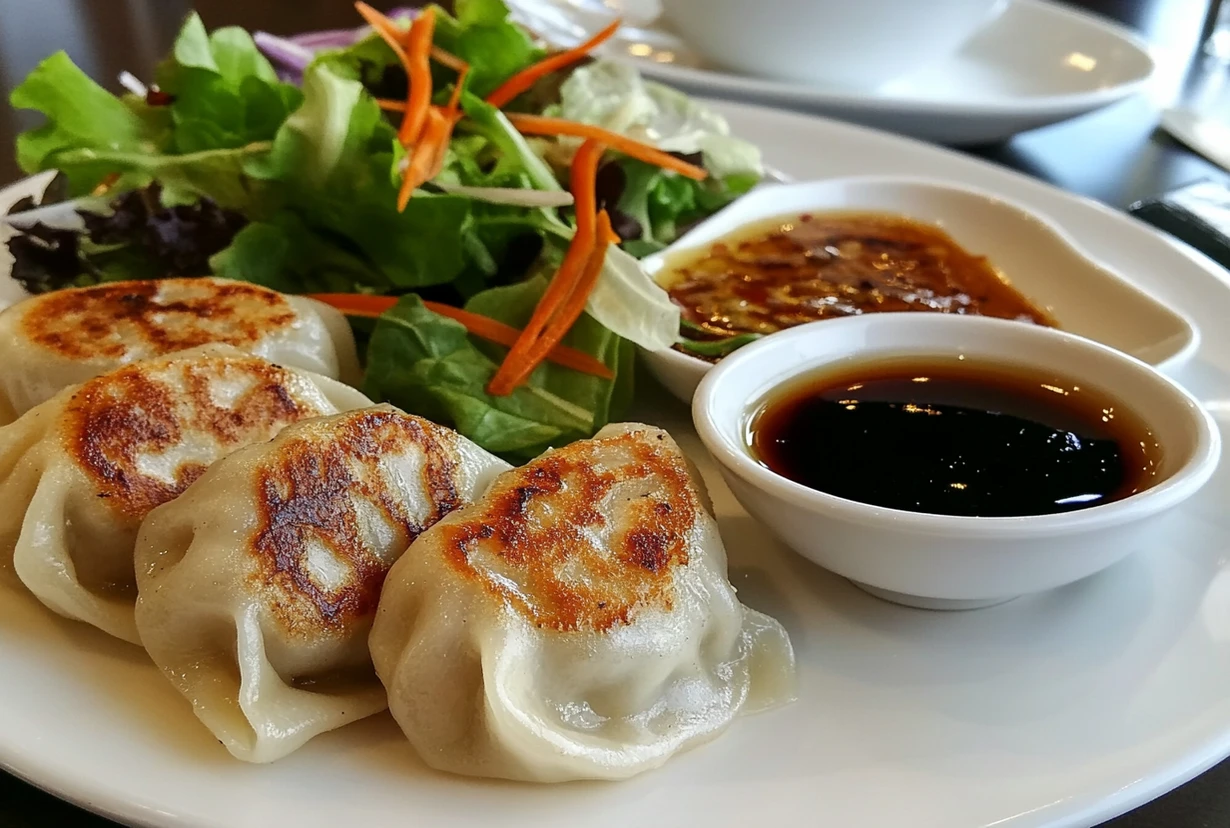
(1037, 257)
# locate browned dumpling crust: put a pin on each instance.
(576, 622)
(88, 465)
(258, 585)
(54, 340)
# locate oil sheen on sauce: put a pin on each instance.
(955, 437)
(789, 271)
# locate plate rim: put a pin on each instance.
(1196, 757)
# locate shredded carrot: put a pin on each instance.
(584, 173)
(387, 29)
(484, 327)
(421, 166)
(487, 328)
(454, 100)
(418, 68)
(524, 79)
(419, 95)
(450, 60)
(105, 185)
(571, 309)
(541, 125)
(441, 152)
(611, 236)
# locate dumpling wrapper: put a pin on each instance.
(258, 585)
(51, 341)
(80, 472)
(576, 622)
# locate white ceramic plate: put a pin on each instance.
(1037, 64)
(1040, 260)
(1056, 710)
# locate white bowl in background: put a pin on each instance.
(1037, 257)
(828, 42)
(941, 561)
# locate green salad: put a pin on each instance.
(286, 172)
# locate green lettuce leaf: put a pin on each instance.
(284, 254)
(665, 205)
(627, 301)
(225, 93)
(334, 161)
(512, 156)
(82, 115)
(482, 35)
(615, 96)
(429, 365)
(215, 174)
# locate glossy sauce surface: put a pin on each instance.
(955, 437)
(824, 265)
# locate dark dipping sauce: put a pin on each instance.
(955, 437)
(826, 265)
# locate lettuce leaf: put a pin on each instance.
(82, 115)
(429, 365)
(665, 205)
(481, 34)
(615, 96)
(284, 254)
(216, 174)
(334, 163)
(225, 94)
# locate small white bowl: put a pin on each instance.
(1040, 260)
(938, 561)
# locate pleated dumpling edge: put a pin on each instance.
(576, 622)
(80, 472)
(258, 584)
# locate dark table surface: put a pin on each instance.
(1116, 156)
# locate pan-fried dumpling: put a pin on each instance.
(54, 340)
(576, 622)
(80, 472)
(259, 584)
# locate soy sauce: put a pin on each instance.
(955, 437)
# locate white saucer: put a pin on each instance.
(1039, 63)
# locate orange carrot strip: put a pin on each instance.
(454, 100)
(524, 79)
(484, 327)
(584, 173)
(540, 125)
(391, 106)
(487, 328)
(452, 113)
(105, 185)
(418, 101)
(563, 320)
(412, 120)
(449, 59)
(387, 29)
(425, 154)
(611, 236)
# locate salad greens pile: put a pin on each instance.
(287, 175)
